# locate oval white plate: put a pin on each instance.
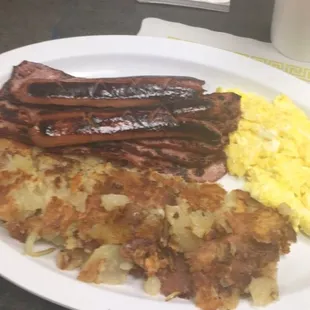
(100, 56)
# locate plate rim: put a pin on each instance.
(86, 296)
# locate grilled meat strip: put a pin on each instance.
(131, 152)
(55, 128)
(215, 106)
(175, 132)
(114, 152)
(21, 115)
(34, 83)
(16, 120)
(209, 172)
(180, 145)
(72, 128)
(182, 157)
(109, 150)
(224, 115)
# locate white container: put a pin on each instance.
(290, 31)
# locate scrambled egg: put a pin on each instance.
(271, 150)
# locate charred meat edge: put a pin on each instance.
(72, 128)
(108, 92)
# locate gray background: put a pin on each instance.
(25, 22)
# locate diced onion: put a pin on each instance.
(29, 245)
(152, 286)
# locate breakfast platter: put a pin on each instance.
(148, 172)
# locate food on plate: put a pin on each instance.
(74, 128)
(119, 173)
(187, 159)
(271, 150)
(174, 133)
(35, 83)
(189, 240)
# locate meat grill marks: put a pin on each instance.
(99, 122)
(215, 106)
(171, 134)
(34, 83)
(20, 115)
(181, 145)
(210, 168)
(135, 91)
(218, 108)
(185, 158)
(73, 128)
(164, 89)
(189, 166)
(99, 125)
(169, 158)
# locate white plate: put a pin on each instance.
(124, 55)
